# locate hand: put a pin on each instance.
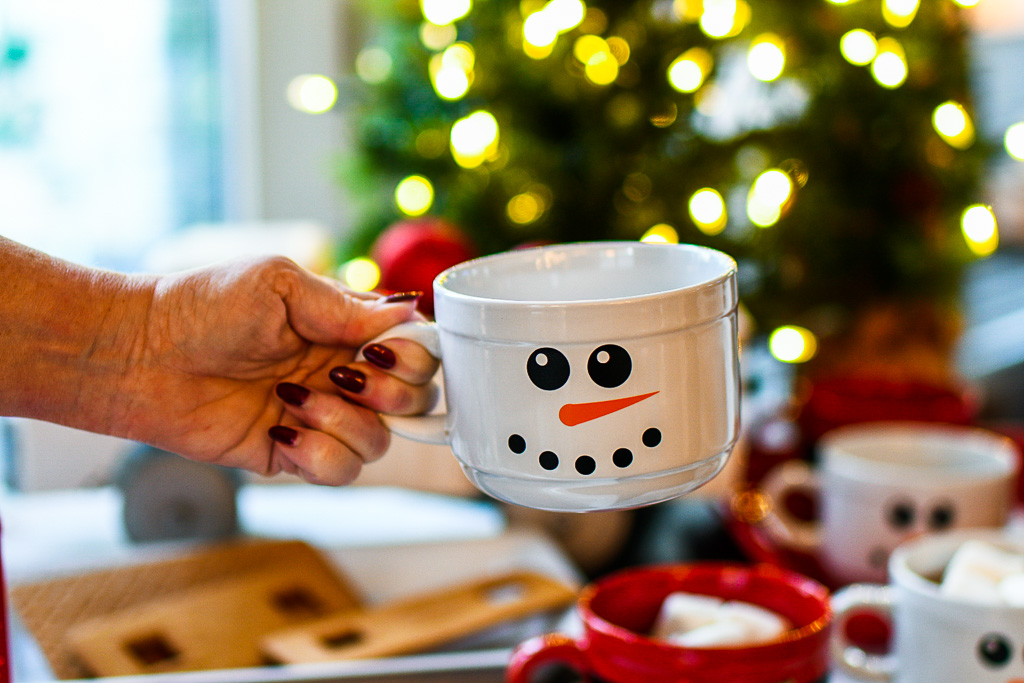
(237, 362)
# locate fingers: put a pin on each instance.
(381, 392)
(316, 457)
(323, 312)
(402, 358)
(354, 427)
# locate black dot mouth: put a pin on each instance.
(585, 464)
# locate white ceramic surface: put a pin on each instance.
(936, 638)
(880, 484)
(589, 376)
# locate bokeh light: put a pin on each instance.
(858, 47)
(373, 65)
(1014, 141)
(953, 124)
(444, 12)
(707, 211)
(980, 230)
(312, 93)
(689, 70)
(792, 344)
(767, 57)
(360, 274)
(525, 208)
(474, 138)
(899, 13)
(662, 233)
(414, 195)
(889, 67)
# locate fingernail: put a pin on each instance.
(348, 379)
(398, 297)
(292, 394)
(282, 434)
(380, 355)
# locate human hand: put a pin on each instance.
(237, 362)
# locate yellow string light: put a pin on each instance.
(662, 233)
(474, 138)
(689, 70)
(953, 124)
(360, 274)
(858, 47)
(444, 12)
(414, 195)
(889, 67)
(793, 344)
(707, 211)
(900, 13)
(1014, 141)
(978, 224)
(767, 57)
(312, 93)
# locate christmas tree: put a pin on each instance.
(827, 145)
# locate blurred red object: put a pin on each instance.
(837, 401)
(412, 252)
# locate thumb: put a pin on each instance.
(320, 310)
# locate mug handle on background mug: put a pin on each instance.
(535, 654)
(780, 523)
(430, 428)
(852, 659)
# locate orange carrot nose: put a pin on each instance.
(572, 414)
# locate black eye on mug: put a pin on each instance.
(994, 650)
(901, 514)
(609, 366)
(548, 369)
(941, 517)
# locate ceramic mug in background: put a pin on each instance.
(587, 376)
(879, 484)
(936, 638)
(618, 610)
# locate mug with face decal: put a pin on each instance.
(586, 376)
(940, 633)
(881, 483)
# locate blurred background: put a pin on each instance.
(862, 159)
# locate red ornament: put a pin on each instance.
(412, 252)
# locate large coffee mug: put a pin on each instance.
(619, 611)
(587, 376)
(879, 484)
(936, 637)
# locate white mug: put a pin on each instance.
(881, 483)
(936, 638)
(586, 376)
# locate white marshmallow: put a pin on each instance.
(682, 612)
(705, 621)
(718, 633)
(1011, 590)
(762, 624)
(976, 570)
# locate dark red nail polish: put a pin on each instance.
(399, 297)
(292, 394)
(348, 379)
(380, 355)
(282, 434)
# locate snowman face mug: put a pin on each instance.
(587, 376)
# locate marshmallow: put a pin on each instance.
(1011, 590)
(705, 621)
(976, 571)
(682, 612)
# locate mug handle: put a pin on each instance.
(780, 524)
(430, 428)
(536, 653)
(848, 657)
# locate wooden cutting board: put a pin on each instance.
(419, 623)
(215, 625)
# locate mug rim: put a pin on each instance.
(584, 320)
(837, 457)
(439, 284)
(797, 581)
